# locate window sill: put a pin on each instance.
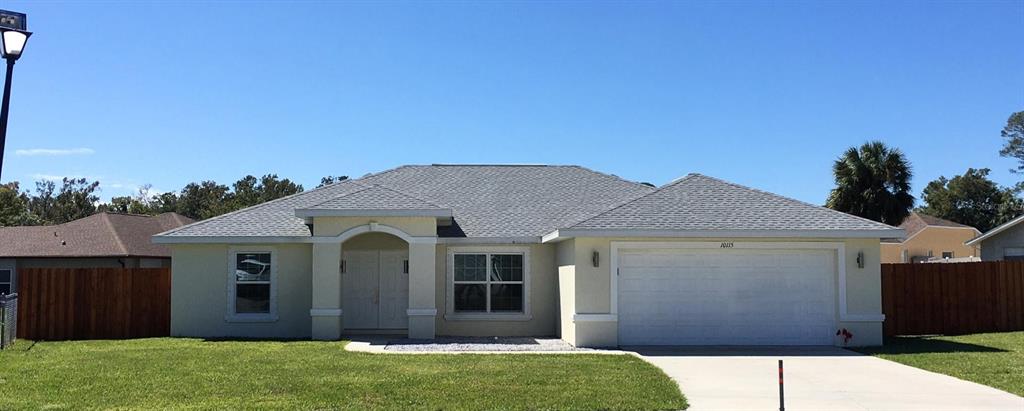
(487, 317)
(250, 318)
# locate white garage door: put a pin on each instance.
(726, 297)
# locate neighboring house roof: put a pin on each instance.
(528, 202)
(916, 222)
(374, 201)
(1005, 226)
(701, 203)
(98, 235)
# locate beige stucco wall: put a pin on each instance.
(593, 288)
(543, 296)
(934, 239)
(199, 278)
(414, 226)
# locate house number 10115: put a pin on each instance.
(726, 245)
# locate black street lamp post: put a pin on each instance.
(13, 44)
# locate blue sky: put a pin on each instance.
(763, 94)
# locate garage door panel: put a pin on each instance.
(729, 297)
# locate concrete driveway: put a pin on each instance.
(817, 378)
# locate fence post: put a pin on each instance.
(8, 319)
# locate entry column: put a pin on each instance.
(326, 312)
(422, 307)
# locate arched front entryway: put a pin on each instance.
(350, 271)
(375, 283)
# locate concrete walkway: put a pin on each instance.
(817, 378)
(385, 344)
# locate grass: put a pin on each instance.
(995, 359)
(173, 373)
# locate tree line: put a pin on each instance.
(873, 181)
(73, 198)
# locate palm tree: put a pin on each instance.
(872, 182)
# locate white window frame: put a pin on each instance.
(232, 288)
(10, 282)
(450, 313)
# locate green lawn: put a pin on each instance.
(996, 359)
(198, 374)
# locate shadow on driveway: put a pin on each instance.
(922, 345)
(741, 351)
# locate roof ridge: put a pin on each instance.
(919, 214)
(791, 199)
(493, 165)
(127, 214)
(390, 170)
(635, 199)
(652, 189)
(117, 236)
(260, 205)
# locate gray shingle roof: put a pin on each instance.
(375, 197)
(511, 201)
(698, 202)
(275, 218)
(487, 201)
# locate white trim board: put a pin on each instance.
(564, 234)
(840, 249)
(325, 312)
(323, 239)
(369, 212)
(1007, 225)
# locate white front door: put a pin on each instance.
(726, 297)
(394, 290)
(375, 289)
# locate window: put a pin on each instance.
(6, 281)
(251, 285)
(947, 254)
(488, 282)
(1013, 254)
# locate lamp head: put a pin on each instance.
(14, 43)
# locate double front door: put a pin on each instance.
(375, 288)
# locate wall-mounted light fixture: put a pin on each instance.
(860, 259)
(596, 259)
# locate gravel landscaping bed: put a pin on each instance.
(497, 344)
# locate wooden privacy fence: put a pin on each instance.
(93, 303)
(953, 298)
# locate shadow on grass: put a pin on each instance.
(245, 339)
(923, 345)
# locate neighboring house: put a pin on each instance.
(99, 240)
(501, 250)
(1005, 242)
(930, 239)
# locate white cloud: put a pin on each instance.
(54, 151)
(54, 177)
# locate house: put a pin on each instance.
(1005, 242)
(929, 239)
(99, 240)
(504, 250)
